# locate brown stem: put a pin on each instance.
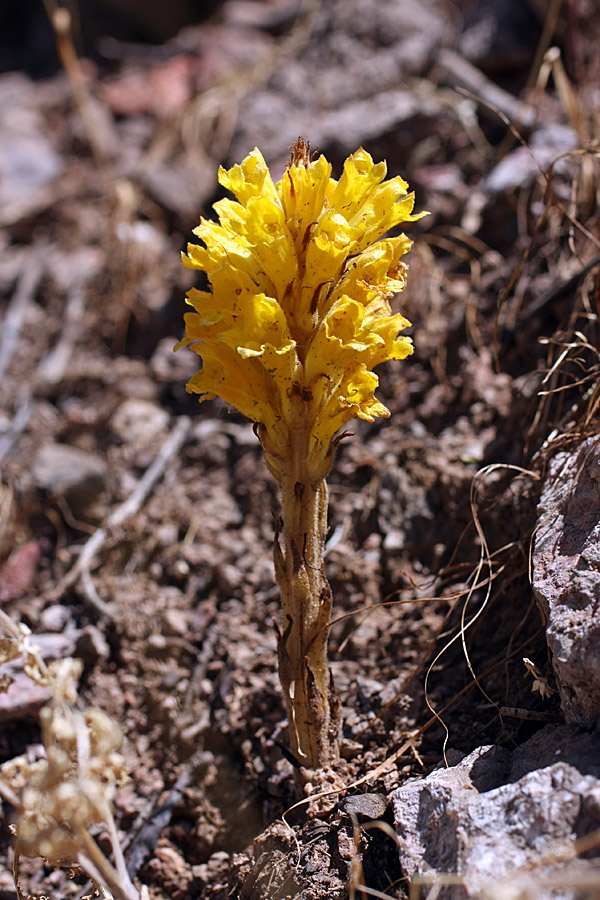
(306, 600)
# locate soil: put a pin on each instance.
(431, 512)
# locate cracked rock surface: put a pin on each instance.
(566, 576)
(498, 817)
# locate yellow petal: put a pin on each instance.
(249, 179)
(302, 194)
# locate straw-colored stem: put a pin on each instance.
(93, 861)
(306, 604)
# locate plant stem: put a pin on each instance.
(93, 861)
(306, 602)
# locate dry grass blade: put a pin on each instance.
(69, 788)
(476, 583)
(119, 516)
(34, 265)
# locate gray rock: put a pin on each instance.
(70, 473)
(522, 166)
(28, 162)
(54, 618)
(369, 806)
(22, 699)
(566, 576)
(139, 421)
(342, 88)
(498, 816)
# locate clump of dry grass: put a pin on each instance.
(59, 797)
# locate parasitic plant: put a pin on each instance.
(296, 318)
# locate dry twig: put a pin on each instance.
(466, 75)
(132, 505)
(33, 269)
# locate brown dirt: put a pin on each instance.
(177, 630)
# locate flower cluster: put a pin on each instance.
(301, 280)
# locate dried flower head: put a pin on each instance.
(59, 796)
(301, 280)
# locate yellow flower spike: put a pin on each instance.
(296, 318)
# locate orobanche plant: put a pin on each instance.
(296, 318)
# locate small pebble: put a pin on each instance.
(371, 806)
(70, 473)
(54, 618)
(139, 421)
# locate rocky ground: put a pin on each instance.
(136, 527)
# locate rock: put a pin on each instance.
(54, 618)
(175, 622)
(566, 576)
(369, 806)
(23, 699)
(139, 421)
(214, 872)
(80, 265)
(522, 165)
(342, 89)
(17, 574)
(181, 186)
(169, 366)
(28, 162)
(494, 815)
(70, 473)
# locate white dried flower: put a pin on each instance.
(59, 797)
